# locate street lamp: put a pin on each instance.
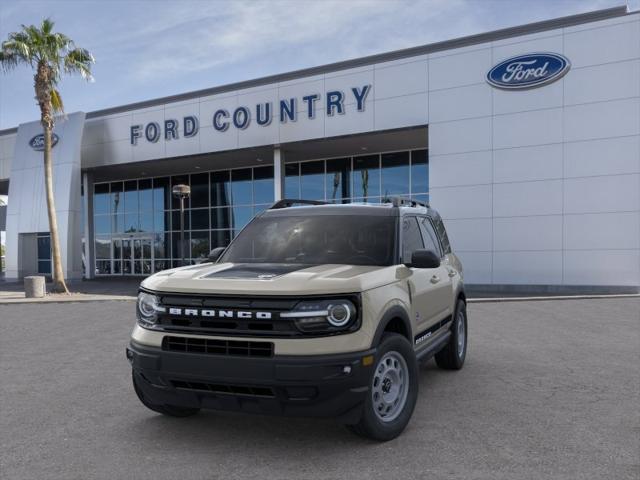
(182, 192)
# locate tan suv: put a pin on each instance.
(313, 310)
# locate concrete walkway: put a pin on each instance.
(82, 291)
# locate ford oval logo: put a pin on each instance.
(528, 71)
(37, 142)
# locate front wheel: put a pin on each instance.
(452, 356)
(169, 410)
(393, 391)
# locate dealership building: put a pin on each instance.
(526, 140)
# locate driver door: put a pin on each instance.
(430, 287)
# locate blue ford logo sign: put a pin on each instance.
(37, 142)
(528, 71)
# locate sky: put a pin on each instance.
(152, 48)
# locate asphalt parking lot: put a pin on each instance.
(551, 389)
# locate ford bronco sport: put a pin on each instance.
(313, 310)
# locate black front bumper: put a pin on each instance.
(315, 386)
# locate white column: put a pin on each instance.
(278, 173)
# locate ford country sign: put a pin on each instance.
(528, 71)
(37, 142)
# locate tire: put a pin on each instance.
(395, 376)
(169, 410)
(452, 356)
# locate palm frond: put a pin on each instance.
(79, 60)
(56, 101)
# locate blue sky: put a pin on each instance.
(148, 49)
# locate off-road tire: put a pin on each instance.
(450, 358)
(370, 425)
(169, 410)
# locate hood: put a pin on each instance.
(270, 279)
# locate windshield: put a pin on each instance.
(315, 240)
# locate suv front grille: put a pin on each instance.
(218, 347)
(255, 391)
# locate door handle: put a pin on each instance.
(452, 273)
(435, 279)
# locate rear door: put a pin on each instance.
(428, 304)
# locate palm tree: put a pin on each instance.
(50, 55)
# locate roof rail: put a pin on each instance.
(405, 202)
(290, 202)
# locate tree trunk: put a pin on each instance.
(59, 284)
(43, 94)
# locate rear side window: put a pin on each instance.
(442, 233)
(429, 236)
(411, 238)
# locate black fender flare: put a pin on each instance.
(395, 311)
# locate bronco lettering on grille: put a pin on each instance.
(209, 313)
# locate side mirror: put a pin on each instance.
(214, 254)
(424, 259)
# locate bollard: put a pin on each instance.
(34, 287)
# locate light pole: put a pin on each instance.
(182, 192)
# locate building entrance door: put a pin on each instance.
(134, 254)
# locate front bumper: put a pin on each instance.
(314, 385)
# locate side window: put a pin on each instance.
(411, 238)
(429, 235)
(442, 234)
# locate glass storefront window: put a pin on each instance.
(199, 245)
(292, 180)
(366, 177)
(312, 180)
(200, 219)
(220, 218)
(241, 193)
(145, 195)
(200, 190)
(338, 184)
(263, 185)
(101, 199)
(143, 212)
(161, 194)
(419, 171)
(395, 174)
(220, 189)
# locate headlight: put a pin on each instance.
(147, 309)
(323, 316)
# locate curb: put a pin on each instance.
(548, 298)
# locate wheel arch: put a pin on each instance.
(396, 320)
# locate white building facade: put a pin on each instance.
(526, 140)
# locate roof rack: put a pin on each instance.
(405, 202)
(290, 202)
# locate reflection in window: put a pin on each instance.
(161, 194)
(338, 185)
(220, 189)
(220, 238)
(395, 174)
(312, 180)
(292, 180)
(200, 190)
(241, 187)
(263, 185)
(220, 218)
(101, 198)
(200, 219)
(200, 245)
(419, 171)
(145, 195)
(366, 177)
